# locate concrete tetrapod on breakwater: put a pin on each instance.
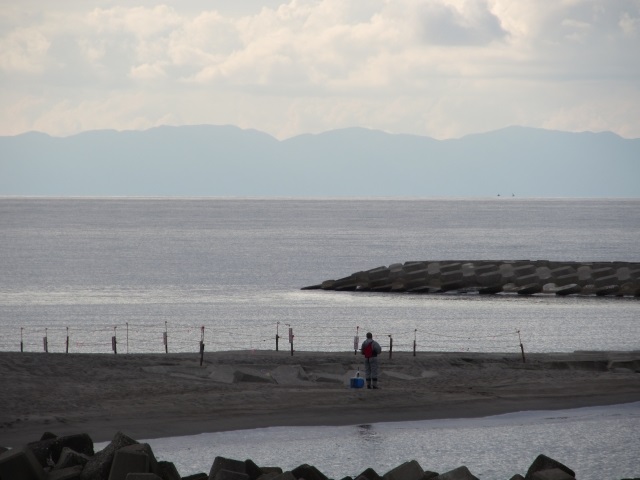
(524, 277)
(73, 458)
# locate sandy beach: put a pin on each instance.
(160, 395)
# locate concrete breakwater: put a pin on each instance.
(524, 277)
(72, 457)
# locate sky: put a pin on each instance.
(440, 68)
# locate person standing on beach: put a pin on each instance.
(370, 349)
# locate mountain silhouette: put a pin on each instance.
(208, 160)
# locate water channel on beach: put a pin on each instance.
(598, 443)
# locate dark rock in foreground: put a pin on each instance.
(524, 277)
(127, 459)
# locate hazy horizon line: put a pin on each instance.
(355, 127)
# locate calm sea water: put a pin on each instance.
(137, 268)
(91, 269)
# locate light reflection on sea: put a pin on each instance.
(92, 269)
(596, 442)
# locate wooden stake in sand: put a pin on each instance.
(164, 338)
(291, 338)
(521, 347)
(201, 345)
(114, 343)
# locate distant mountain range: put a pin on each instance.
(228, 161)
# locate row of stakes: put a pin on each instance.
(356, 341)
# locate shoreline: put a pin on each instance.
(167, 395)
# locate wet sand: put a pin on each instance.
(159, 395)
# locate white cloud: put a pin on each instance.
(457, 23)
(148, 72)
(629, 24)
(24, 50)
(436, 67)
(142, 22)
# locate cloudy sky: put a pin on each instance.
(442, 68)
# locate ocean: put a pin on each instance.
(229, 272)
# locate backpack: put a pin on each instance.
(368, 350)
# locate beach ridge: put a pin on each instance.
(162, 395)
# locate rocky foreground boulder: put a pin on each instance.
(73, 458)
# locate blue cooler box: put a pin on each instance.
(356, 382)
